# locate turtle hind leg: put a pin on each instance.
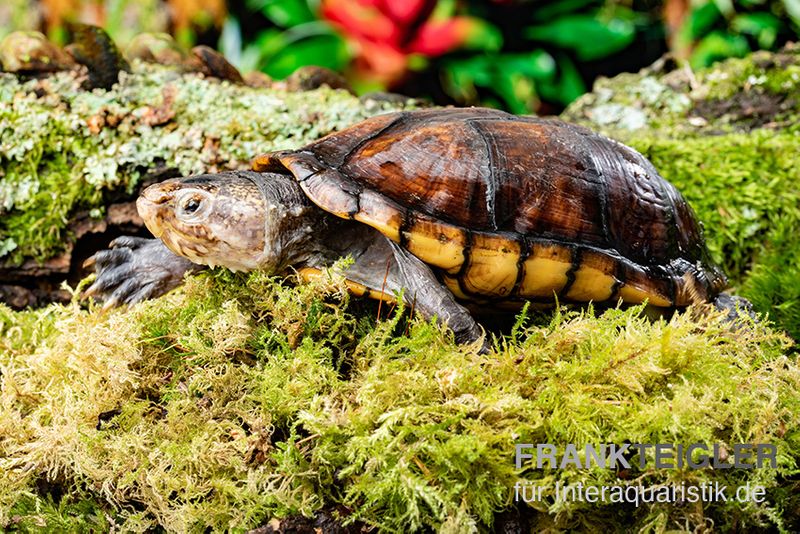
(381, 268)
(432, 299)
(735, 307)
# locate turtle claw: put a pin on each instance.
(129, 241)
(134, 269)
(474, 334)
(108, 304)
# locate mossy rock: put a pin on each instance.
(238, 399)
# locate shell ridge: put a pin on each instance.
(465, 265)
(405, 224)
(620, 277)
(524, 252)
(576, 253)
(401, 117)
(491, 178)
(602, 181)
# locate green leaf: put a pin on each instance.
(513, 77)
(554, 10)
(465, 73)
(312, 43)
(567, 87)
(748, 4)
(717, 46)
(793, 9)
(322, 49)
(417, 62)
(269, 42)
(444, 10)
(755, 23)
(725, 7)
(763, 26)
(463, 76)
(537, 64)
(284, 13)
(459, 84)
(484, 36)
(588, 36)
(702, 19)
(518, 92)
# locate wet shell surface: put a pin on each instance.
(508, 208)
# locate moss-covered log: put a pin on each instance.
(72, 160)
(239, 399)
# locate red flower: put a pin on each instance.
(386, 32)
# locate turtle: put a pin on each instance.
(460, 208)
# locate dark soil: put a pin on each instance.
(748, 110)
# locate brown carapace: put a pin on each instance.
(508, 209)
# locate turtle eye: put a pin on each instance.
(191, 207)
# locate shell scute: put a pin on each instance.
(434, 242)
(493, 265)
(545, 270)
(424, 166)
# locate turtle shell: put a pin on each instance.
(512, 208)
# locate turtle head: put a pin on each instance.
(223, 219)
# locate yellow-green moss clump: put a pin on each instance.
(240, 398)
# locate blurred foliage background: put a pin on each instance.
(520, 55)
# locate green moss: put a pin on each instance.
(32, 513)
(63, 149)
(777, 74)
(227, 403)
(772, 283)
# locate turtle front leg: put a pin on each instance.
(134, 269)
